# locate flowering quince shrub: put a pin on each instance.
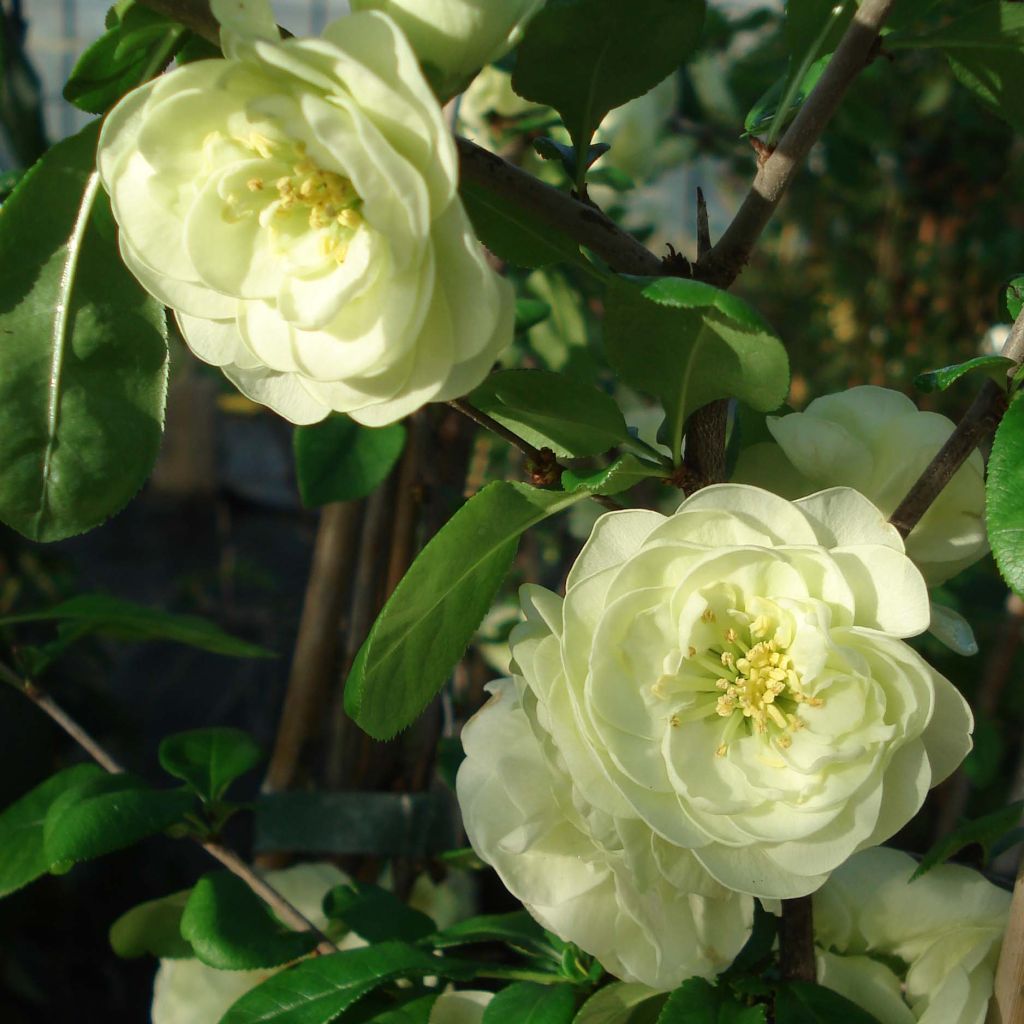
(723, 707)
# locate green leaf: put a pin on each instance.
(813, 27)
(108, 813)
(551, 410)
(801, 1002)
(548, 149)
(339, 460)
(317, 990)
(625, 472)
(1004, 495)
(513, 231)
(765, 111)
(152, 928)
(209, 760)
(229, 927)
(586, 57)
(526, 1002)
(697, 1001)
(416, 1011)
(530, 312)
(23, 856)
(376, 914)
(515, 929)
(430, 619)
(995, 367)
(126, 55)
(110, 616)
(1014, 296)
(985, 47)
(83, 352)
(620, 1003)
(982, 831)
(700, 344)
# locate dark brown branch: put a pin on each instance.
(980, 420)
(287, 913)
(193, 14)
(703, 226)
(796, 940)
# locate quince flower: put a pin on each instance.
(941, 933)
(729, 680)
(878, 442)
(456, 38)
(644, 908)
(295, 204)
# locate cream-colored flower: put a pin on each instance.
(878, 442)
(644, 908)
(189, 992)
(295, 204)
(731, 680)
(941, 933)
(456, 38)
(466, 1007)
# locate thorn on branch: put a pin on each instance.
(675, 264)
(703, 226)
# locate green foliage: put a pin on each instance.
(527, 1002)
(625, 472)
(137, 44)
(813, 28)
(376, 914)
(621, 1003)
(23, 855)
(1014, 296)
(430, 618)
(340, 460)
(800, 1002)
(209, 760)
(85, 354)
(699, 1002)
(125, 620)
(316, 991)
(985, 47)
(586, 57)
(784, 97)
(530, 312)
(514, 232)
(551, 410)
(549, 149)
(516, 929)
(984, 832)
(152, 928)
(106, 813)
(1004, 495)
(994, 367)
(416, 1011)
(700, 344)
(229, 927)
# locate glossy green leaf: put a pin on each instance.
(552, 410)
(317, 990)
(430, 619)
(527, 1002)
(110, 616)
(983, 832)
(625, 472)
(995, 367)
(801, 1002)
(129, 53)
(783, 96)
(107, 813)
(550, 149)
(83, 354)
(621, 1003)
(814, 27)
(416, 1011)
(229, 927)
(516, 929)
(376, 914)
(152, 928)
(1004, 495)
(513, 231)
(23, 856)
(697, 1001)
(340, 460)
(210, 759)
(586, 57)
(1014, 296)
(700, 344)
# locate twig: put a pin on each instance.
(703, 226)
(980, 420)
(1008, 995)
(855, 50)
(796, 940)
(288, 914)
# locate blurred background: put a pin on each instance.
(888, 258)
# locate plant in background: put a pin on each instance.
(723, 715)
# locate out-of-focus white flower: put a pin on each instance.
(466, 1007)
(878, 442)
(922, 951)
(189, 992)
(456, 38)
(728, 680)
(644, 908)
(637, 132)
(295, 203)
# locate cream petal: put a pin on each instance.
(282, 392)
